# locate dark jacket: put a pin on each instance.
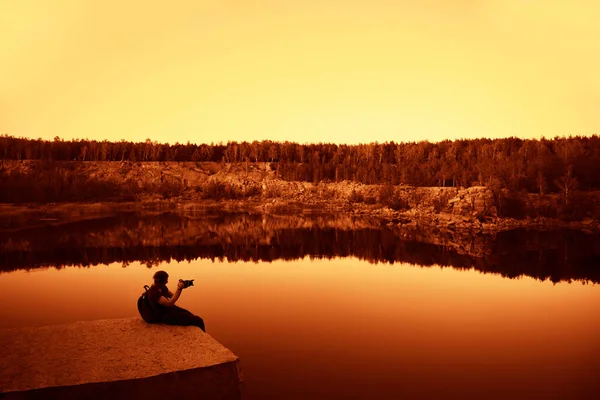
(154, 293)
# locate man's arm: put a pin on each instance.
(163, 301)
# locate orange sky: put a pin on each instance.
(343, 71)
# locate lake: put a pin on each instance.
(324, 307)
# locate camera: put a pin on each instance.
(187, 282)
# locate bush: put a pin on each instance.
(218, 190)
(511, 205)
(328, 194)
(576, 209)
(170, 189)
(356, 197)
(251, 191)
(390, 197)
(213, 190)
(545, 210)
(370, 200)
(272, 191)
(386, 194)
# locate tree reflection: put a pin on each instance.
(154, 239)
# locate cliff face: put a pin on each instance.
(476, 200)
(191, 181)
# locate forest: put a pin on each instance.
(558, 165)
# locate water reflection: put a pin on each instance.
(153, 239)
(353, 329)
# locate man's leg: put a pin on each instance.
(179, 316)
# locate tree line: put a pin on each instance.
(536, 166)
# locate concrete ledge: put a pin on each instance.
(116, 359)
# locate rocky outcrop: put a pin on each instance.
(475, 201)
(116, 359)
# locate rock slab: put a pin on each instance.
(116, 359)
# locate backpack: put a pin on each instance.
(145, 308)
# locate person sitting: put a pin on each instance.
(163, 302)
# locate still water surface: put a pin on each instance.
(346, 328)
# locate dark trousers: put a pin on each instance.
(179, 316)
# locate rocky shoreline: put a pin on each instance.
(255, 188)
(18, 217)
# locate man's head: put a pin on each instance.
(161, 277)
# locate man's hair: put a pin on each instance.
(160, 277)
